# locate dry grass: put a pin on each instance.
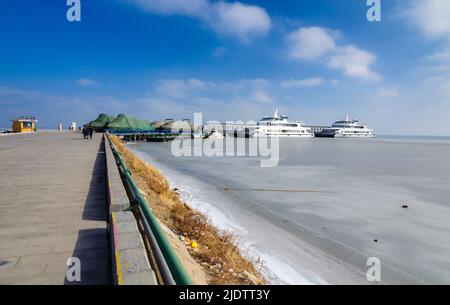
(217, 251)
(153, 179)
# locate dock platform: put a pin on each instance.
(53, 206)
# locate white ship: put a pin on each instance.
(279, 126)
(347, 128)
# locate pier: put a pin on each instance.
(53, 205)
(64, 199)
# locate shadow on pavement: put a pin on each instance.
(92, 247)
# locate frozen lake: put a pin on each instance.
(328, 206)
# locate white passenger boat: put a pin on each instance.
(347, 128)
(279, 126)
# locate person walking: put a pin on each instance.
(91, 131)
(85, 132)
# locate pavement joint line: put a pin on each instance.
(15, 265)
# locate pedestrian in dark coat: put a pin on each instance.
(91, 131)
(85, 132)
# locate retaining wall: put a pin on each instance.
(129, 257)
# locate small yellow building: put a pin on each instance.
(24, 124)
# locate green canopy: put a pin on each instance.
(127, 123)
(100, 123)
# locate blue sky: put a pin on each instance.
(315, 60)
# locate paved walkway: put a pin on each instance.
(53, 206)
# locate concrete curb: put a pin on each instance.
(117, 196)
(130, 262)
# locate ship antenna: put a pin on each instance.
(276, 113)
(347, 117)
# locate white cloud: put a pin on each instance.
(439, 57)
(197, 84)
(438, 62)
(157, 108)
(51, 109)
(14, 93)
(294, 83)
(191, 8)
(432, 17)
(237, 107)
(261, 97)
(232, 19)
(240, 20)
(178, 88)
(191, 87)
(320, 44)
(354, 62)
(334, 82)
(260, 82)
(391, 92)
(86, 81)
(171, 87)
(223, 104)
(439, 83)
(310, 43)
(446, 88)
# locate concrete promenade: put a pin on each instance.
(53, 205)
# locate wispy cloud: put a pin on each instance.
(295, 83)
(248, 103)
(86, 81)
(439, 57)
(438, 62)
(431, 17)
(439, 83)
(219, 52)
(446, 88)
(182, 88)
(235, 19)
(261, 97)
(320, 44)
(179, 88)
(389, 92)
(53, 108)
(191, 8)
(15, 93)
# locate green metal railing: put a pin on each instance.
(177, 270)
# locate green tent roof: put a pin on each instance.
(128, 123)
(101, 122)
